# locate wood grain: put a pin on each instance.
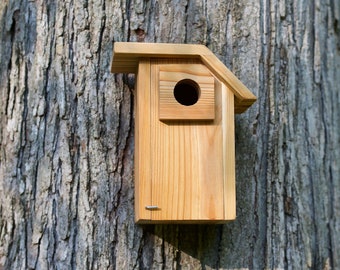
(188, 160)
(142, 141)
(172, 73)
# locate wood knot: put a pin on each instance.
(140, 33)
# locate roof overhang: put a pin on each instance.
(126, 56)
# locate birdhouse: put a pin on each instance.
(184, 132)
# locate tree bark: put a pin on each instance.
(67, 135)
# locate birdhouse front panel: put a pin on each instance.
(185, 101)
(184, 162)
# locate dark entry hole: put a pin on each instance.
(187, 92)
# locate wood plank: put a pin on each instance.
(228, 153)
(142, 142)
(159, 50)
(169, 75)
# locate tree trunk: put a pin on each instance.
(67, 135)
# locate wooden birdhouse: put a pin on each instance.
(184, 132)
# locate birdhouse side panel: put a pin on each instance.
(228, 127)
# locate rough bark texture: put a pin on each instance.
(66, 135)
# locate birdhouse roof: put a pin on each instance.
(126, 56)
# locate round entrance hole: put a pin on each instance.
(187, 92)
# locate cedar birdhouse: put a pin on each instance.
(184, 132)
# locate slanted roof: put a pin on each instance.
(126, 56)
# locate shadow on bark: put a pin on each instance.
(201, 242)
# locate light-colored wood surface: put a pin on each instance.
(172, 73)
(127, 54)
(188, 166)
(142, 141)
(228, 130)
